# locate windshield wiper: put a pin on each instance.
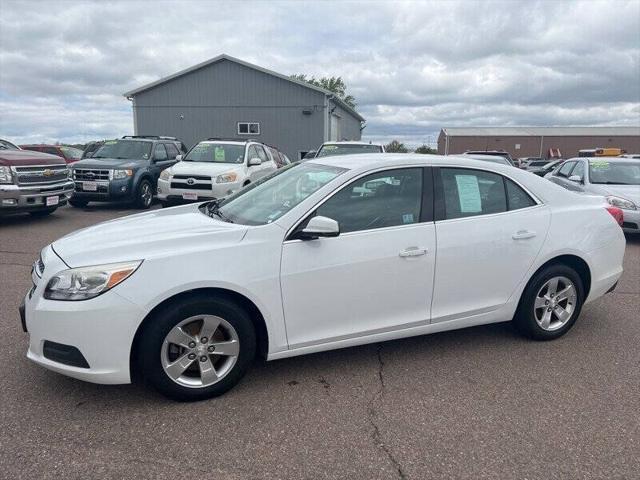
(213, 208)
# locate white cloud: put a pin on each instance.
(412, 66)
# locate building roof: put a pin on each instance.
(224, 56)
(541, 131)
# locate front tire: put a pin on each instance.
(197, 348)
(550, 304)
(144, 195)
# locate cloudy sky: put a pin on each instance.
(413, 67)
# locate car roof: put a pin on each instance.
(608, 159)
(352, 142)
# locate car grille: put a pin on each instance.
(191, 182)
(90, 174)
(41, 175)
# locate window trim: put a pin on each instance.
(248, 124)
(439, 210)
(426, 214)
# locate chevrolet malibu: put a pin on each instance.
(330, 253)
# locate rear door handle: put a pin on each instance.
(413, 252)
(523, 235)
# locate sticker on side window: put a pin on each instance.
(407, 218)
(469, 193)
(599, 164)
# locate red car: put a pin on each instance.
(69, 154)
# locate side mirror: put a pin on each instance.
(255, 161)
(320, 227)
(575, 178)
(178, 158)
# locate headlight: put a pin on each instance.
(227, 177)
(165, 175)
(5, 175)
(122, 173)
(621, 202)
(88, 282)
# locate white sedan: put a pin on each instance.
(325, 254)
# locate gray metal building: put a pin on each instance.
(229, 98)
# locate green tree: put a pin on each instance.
(396, 147)
(425, 149)
(333, 84)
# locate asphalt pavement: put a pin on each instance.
(475, 403)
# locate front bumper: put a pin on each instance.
(23, 198)
(631, 221)
(177, 195)
(101, 329)
(107, 190)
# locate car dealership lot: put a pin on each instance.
(480, 402)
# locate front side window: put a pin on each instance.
(614, 173)
(216, 153)
(125, 150)
(565, 169)
(261, 154)
(578, 170)
(329, 150)
(383, 199)
(160, 153)
(468, 193)
(269, 198)
(172, 150)
(248, 128)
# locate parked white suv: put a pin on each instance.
(214, 169)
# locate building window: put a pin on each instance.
(248, 128)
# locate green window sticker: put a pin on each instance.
(469, 194)
(599, 164)
(110, 142)
(218, 154)
(330, 147)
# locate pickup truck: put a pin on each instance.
(32, 182)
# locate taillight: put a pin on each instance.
(616, 213)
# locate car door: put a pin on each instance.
(377, 275)
(489, 231)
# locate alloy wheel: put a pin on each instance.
(555, 303)
(146, 194)
(200, 351)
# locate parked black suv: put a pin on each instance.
(126, 169)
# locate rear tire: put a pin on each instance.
(550, 304)
(198, 352)
(78, 203)
(144, 195)
(43, 213)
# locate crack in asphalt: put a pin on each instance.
(373, 414)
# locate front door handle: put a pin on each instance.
(413, 252)
(523, 235)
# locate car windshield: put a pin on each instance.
(71, 152)
(4, 145)
(346, 149)
(614, 173)
(124, 149)
(271, 197)
(216, 153)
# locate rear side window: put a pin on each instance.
(468, 193)
(517, 198)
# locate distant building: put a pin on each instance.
(228, 98)
(538, 141)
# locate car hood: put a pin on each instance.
(19, 158)
(630, 192)
(157, 233)
(107, 163)
(203, 168)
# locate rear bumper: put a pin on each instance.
(23, 198)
